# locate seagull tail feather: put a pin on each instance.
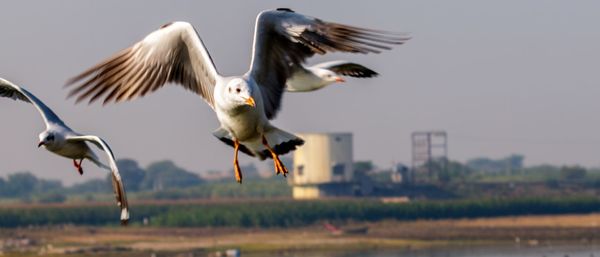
(281, 141)
(225, 137)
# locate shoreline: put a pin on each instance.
(521, 231)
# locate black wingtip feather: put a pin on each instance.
(284, 147)
(280, 149)
(285, 9)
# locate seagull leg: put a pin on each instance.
(236, 165)
(279, 167)
(78, 166)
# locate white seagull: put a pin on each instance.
(243, 104)
(305, 79)
(62, 140)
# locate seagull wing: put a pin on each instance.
(283, 40)
(174, 53)
(118, 187)
(348, 69)
(10, 90)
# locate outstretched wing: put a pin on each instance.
(174, 53)
(348, 69)
(10, 90)
(283, 40)
(118, 187)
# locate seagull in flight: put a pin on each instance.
(244, 104)
(58, 138)
(305, 79)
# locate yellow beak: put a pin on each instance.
(250, 101)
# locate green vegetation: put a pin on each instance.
(251, 188)
(162, 175)
(161, 180)
(25, 186)
(480, 188)
(447, 179)
(508, 164)
(505, 170)
(286, 213)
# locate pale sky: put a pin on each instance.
(500, 77)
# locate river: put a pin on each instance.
(480, 251)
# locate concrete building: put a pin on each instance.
(323, 166)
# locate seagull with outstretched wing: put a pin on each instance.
(244, 104)
(62, 140)
(311, 78)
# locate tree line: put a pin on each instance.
(162, 175)
(162, 180)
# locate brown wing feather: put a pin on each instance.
(173, 54)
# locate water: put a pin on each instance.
(495, 251)
(588, 250)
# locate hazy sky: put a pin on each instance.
(500, 77)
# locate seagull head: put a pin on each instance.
(47, 138)
(329, 77)
(239, 92)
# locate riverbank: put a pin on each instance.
(397, 235)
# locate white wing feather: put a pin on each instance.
(118, 187)
(174, 53)
(10, 90)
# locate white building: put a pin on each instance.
(323, 166)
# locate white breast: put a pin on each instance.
(243, 122)
(303, 82)
(71, 150)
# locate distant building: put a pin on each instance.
(400, 174)
(323, 166)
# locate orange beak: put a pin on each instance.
(339, 79)
(250, 101)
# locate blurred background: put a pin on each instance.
(477, 139)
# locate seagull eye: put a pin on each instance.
(238, 90)
(50, 138)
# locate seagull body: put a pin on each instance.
(310, 78)
(248, 124)
(243, 104)
(58, 138)
(75, 150)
